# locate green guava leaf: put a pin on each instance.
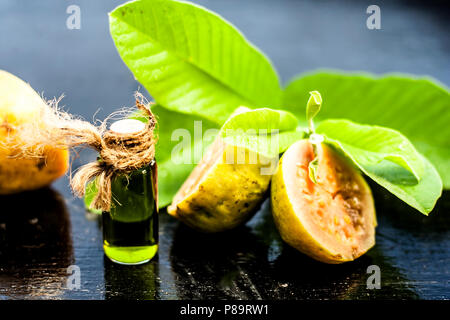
(312, 108)
(262, 119)
(387, 157)
(373, 144)
(313, 167)
(419, 108)
(266, 131)
(191, 60)
(182, 139)
(89, 194)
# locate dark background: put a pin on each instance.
(47, 230)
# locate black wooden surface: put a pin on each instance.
(43, 232)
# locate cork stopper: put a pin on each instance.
(127, 126)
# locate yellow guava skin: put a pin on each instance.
(227, 195)
(20, 104)
(292, 214)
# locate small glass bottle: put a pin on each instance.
(130, 228)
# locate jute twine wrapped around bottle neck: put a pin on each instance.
(120, 153)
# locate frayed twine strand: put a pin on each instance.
(119, 153)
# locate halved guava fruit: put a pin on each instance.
(220, 194)
(333, 220)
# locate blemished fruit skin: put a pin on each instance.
(294, 211)
(19, 104)
(227, 195)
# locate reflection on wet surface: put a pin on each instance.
(250, 262)
(140, 284)
(253, 263)
(417, 246)
(35, 244)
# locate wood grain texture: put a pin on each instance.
(38, 243)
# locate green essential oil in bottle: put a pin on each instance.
(130, 228)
